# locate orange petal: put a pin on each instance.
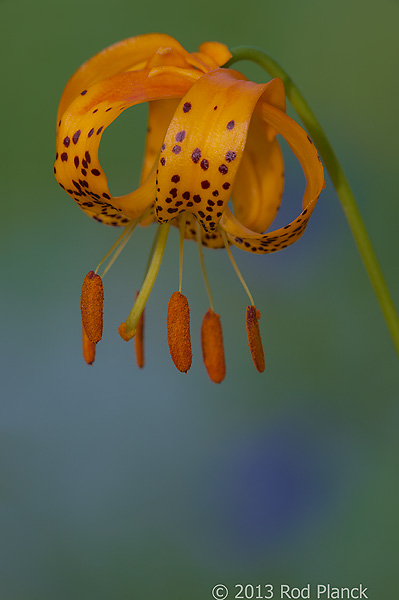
(77, 166)
(139, 340)
(212, 346)
(254, 339)
(91, 306)
(129, 54)
(89, 349)
(160, 113)
(203, 147)
(219, 52)
(259, 184)
(178, 331)
(308, 157)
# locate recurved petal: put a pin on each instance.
(203, 147)
(258, 186)
(160, 113)
(303, 148)
(77, 167)
(129, 54)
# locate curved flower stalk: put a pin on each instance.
(212, 138)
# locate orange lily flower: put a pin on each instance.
(211, 137)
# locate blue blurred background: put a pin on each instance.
(120, 483)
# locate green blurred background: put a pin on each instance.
(120, 483)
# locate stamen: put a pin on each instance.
(202, 262)
(212, 346)
(89, 349)
(178, 330)
(138, 307)
(91, 306)
(182, 229)
(130, 228)
(235, 266)
(127, 230)
(139, 340)
(254, 339)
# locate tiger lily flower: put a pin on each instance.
(212, 137)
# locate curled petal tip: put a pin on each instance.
(212, 346)
(91, 306)
(178, 331)
(126, 335)
(254, 339)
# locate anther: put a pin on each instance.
(89, 349)
(178, 331)
(254, 339)
(91, 306)
(139, 340)
(212, 346)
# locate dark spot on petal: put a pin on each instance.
(205, 184)
(196, 155)
(197, 198)
(180, 136)
(226, 186)
(176, 149)
(76, 136)
(76, 161)
(83, 93)
(96, 172)
(64, 157)
(175, 178)
(230, 155)
(66, 141)
(162, 161)
(186, 107)
(99, 130)
(223, 169)
(230, 125)
(204, 164)
(186, 195)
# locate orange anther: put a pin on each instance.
(212, 346)
(139, 340)
(91, 306)
(254, 339)
(178, 330)
(89, 349)
(124, 334)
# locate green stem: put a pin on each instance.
(338, 178)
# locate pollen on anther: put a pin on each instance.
(254, 339)
(178, 331)
(91, 305)
(212, 346)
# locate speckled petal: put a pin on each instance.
(303, 148)
(77, 167)
(203, 147)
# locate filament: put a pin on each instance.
(202, 262)
(235, 266)
(120, 241)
